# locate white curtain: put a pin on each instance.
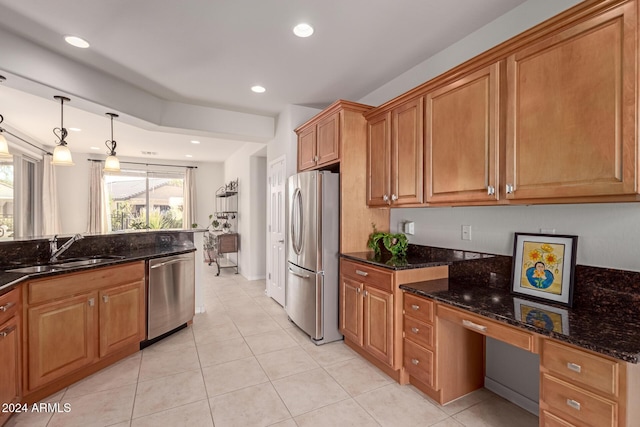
(50, 214)
(189, 209)
(99, 221)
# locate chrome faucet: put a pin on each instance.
(55, 251)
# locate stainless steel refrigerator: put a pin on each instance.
(311, 298)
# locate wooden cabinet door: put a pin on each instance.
(378, 324)
(407, 153)
(378, 160)
(122, 320)
(571, 123)
(463, 139)
(351, 310)
(62, 338)
(9, 364)
(307, 149)
(328, 140)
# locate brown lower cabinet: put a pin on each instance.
(444, 357)
(78, 323)
(371, 311)
(9, 351)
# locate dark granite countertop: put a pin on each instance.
(417, 257)
(615, 334)
(9, 279)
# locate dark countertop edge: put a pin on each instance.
(394, 267)
(587, 345)
(21, 277)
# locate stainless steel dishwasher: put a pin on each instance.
(170, 293)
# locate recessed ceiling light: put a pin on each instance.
(77, 41)
(258, 89)
(75, 129)
(188, 155)
(94, 148)
(195, 142)
(303, 30)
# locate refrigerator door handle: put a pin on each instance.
(304, 276)
(296, 223)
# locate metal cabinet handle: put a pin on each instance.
(491, 190)
(315, 159)
(573, 404)
(362, 273)
(357, 290)
(304, 276)
(91, 302)
(470, 324)
(415, 330)
(173, 261)
(415, 307)
(7, 306)
(574, 367)
(385, 198)
(366, 293)
(105, 298)
(394, 197)
(509, 188)
(7, 331)
(415, 361)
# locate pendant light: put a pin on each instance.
(61, 154)
(4, 147)
(111, 164)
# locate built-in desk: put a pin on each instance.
(589, 372)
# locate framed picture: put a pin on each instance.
(543, 266)
(542, 316)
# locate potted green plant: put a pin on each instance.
(396, 244)
(215, 224)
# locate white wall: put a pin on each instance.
(259, 188)
(73, 190)
(239, 166)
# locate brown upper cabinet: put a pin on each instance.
(571, 124)
(395, 146)
(463, 139)
(319, 142)
(549, 116)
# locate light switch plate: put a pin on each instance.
(466, 232)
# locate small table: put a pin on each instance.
(218, 243)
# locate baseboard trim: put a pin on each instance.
(255, 277)
(512, 396)
(200, 309)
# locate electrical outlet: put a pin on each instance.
(410, 227)
(466, 232)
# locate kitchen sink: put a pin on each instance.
(35, 269)
(68, 263)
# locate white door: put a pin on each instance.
(277, 258)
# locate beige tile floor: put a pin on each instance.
(242, 363)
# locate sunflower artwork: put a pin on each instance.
(542, 266)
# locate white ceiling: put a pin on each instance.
(210, 52)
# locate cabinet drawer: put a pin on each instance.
(227, 243)
(484, 326)
(8, 305)
(589, 408)
(549, 420)
(418, 362)
(418, 332)
(419, 308)
(369, 275)
(581, 367)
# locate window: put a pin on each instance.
(141, 199)
(19, 195)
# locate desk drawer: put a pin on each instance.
(369, 275)
(589, 408)
(419, 308)
(490, 328)
(8, 305)
(418, 362)
(581, 367)
(549, 420)
(418, 332)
